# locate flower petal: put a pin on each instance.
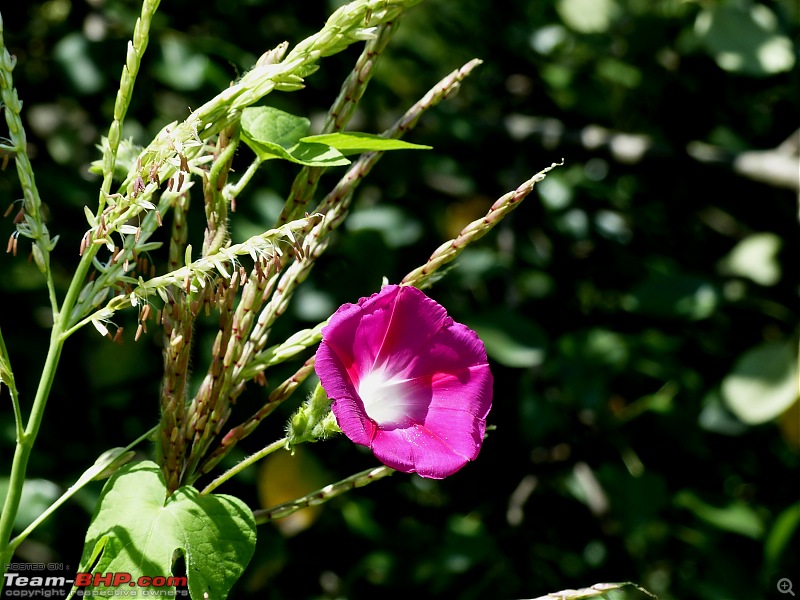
(348, 407)
(407, 381)
(417, 450)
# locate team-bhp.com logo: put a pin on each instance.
(122, 578)
(57, 582)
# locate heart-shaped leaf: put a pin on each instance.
(276, 127)
(762, 383)
(273, 133)
(138, 531)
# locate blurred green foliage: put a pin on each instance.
(640, 314)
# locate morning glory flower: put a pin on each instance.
(406, 381)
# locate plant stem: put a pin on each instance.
(253, 458)
(322, 495)
(31, 225)
(42, 247)
(26, 438)
(305, 184)
(95, 472)
(133, 60)
(422, 277)
(7, 377)
(25, 445)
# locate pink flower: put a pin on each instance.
(407, 381)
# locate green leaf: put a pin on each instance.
(315, 155)
(511, 339)
(273, 133)
(675, 295)
(270, 125)
(744, 38)
(397, 228)
(763, 382)
(138, 530)
(781, 534)
(181, 68)
(736, 517)
(588, 16)
(357, 142)
(37, 496)
(755, 257)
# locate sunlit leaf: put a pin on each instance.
(736, 517)
(277, 127)
(511, 339)
(755, 257)
(356, 142)
(674, 295)
(763, 382)
(138, 530)
(588, 16)
(273, 133)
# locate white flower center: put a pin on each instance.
(388, 400)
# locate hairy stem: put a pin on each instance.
(422, 276)
(322, 495)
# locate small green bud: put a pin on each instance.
(110, 461)
(39, 258)
(312, 421)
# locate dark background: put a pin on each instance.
(639, 310)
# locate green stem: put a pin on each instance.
(25, 444)
(60, 331)
(231, 190)
(133, 60)
(99, 470)
(26, 438)
(253, 458)
(32, 224)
